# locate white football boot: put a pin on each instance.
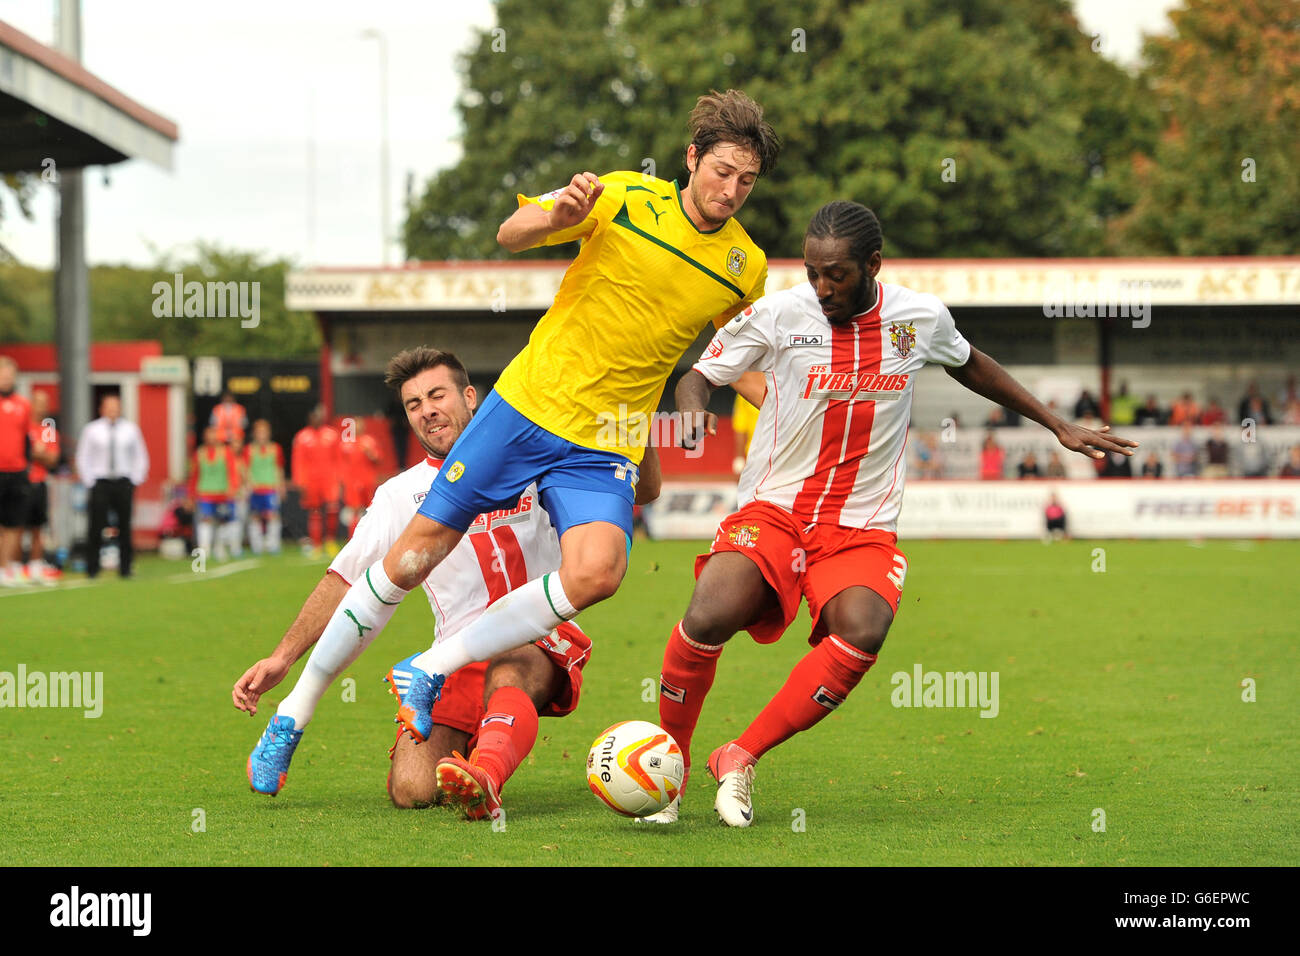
(733, 768)
(667, 815)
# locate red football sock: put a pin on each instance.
(688, 673)
(506, 734)
(331, 524)
(817, 685)
(313, 526)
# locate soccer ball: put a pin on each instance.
(635, 768)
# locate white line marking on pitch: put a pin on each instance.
(221, 572)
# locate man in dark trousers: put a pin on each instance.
(111, 461)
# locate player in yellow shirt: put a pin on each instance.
(744, 419)
(659, 261)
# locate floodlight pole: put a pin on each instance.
(71, 294)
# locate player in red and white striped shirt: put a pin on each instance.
(494, 704)
(822, 486)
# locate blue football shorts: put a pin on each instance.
(501, 453)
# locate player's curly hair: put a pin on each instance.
(407, 364)
(844, 219)
(732, 117)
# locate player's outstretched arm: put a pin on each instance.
(692, 394)
(305, 631)
(530, 224)
(983, 376)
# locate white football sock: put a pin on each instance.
(234, 538)
(205, 538)
(273, 534)
(518, 618)
(365, 609)
(255, 535)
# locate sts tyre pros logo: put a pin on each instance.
(822, 383)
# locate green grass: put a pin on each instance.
(1119, 691)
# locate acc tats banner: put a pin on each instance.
(1118, 508)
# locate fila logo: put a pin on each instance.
(827, 699)
(798, 340)
(676, 694)
(507, 719)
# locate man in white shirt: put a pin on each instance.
(495, 703)
(822, 486)
(112, 461)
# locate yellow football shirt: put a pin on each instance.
(744, 418)
(643, 285)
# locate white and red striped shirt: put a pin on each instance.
(829, 442)
(500, 551)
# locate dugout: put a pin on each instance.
(1164, 325)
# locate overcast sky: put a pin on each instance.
(258, 88)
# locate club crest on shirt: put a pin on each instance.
(902, 336)
(743, 535)
(736, 261)
(455, 471)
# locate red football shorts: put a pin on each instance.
(461, 705)
(358, 496)
(318, 494)
(816, 562)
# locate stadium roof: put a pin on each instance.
(51, 107)
(531, 284)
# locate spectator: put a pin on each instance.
(928, 457)
(1254, 460)
(1153, 467)
(1054, 514)
(1123, 407)
(1055, 467)
(1291, 412)
(1214, 413)
(994, 419)
(1216, 455)
(1116, 466)
(1150, 413)
(112, 462)
(1288, 393)
(1254, 406)
(1086, 406)
(1186, 455)
(1185, 411)
(1028, 467)
(992, 459)
(1292, 467)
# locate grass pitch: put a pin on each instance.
(1120, 694)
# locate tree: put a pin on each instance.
(980, 128)
(1224, 178)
